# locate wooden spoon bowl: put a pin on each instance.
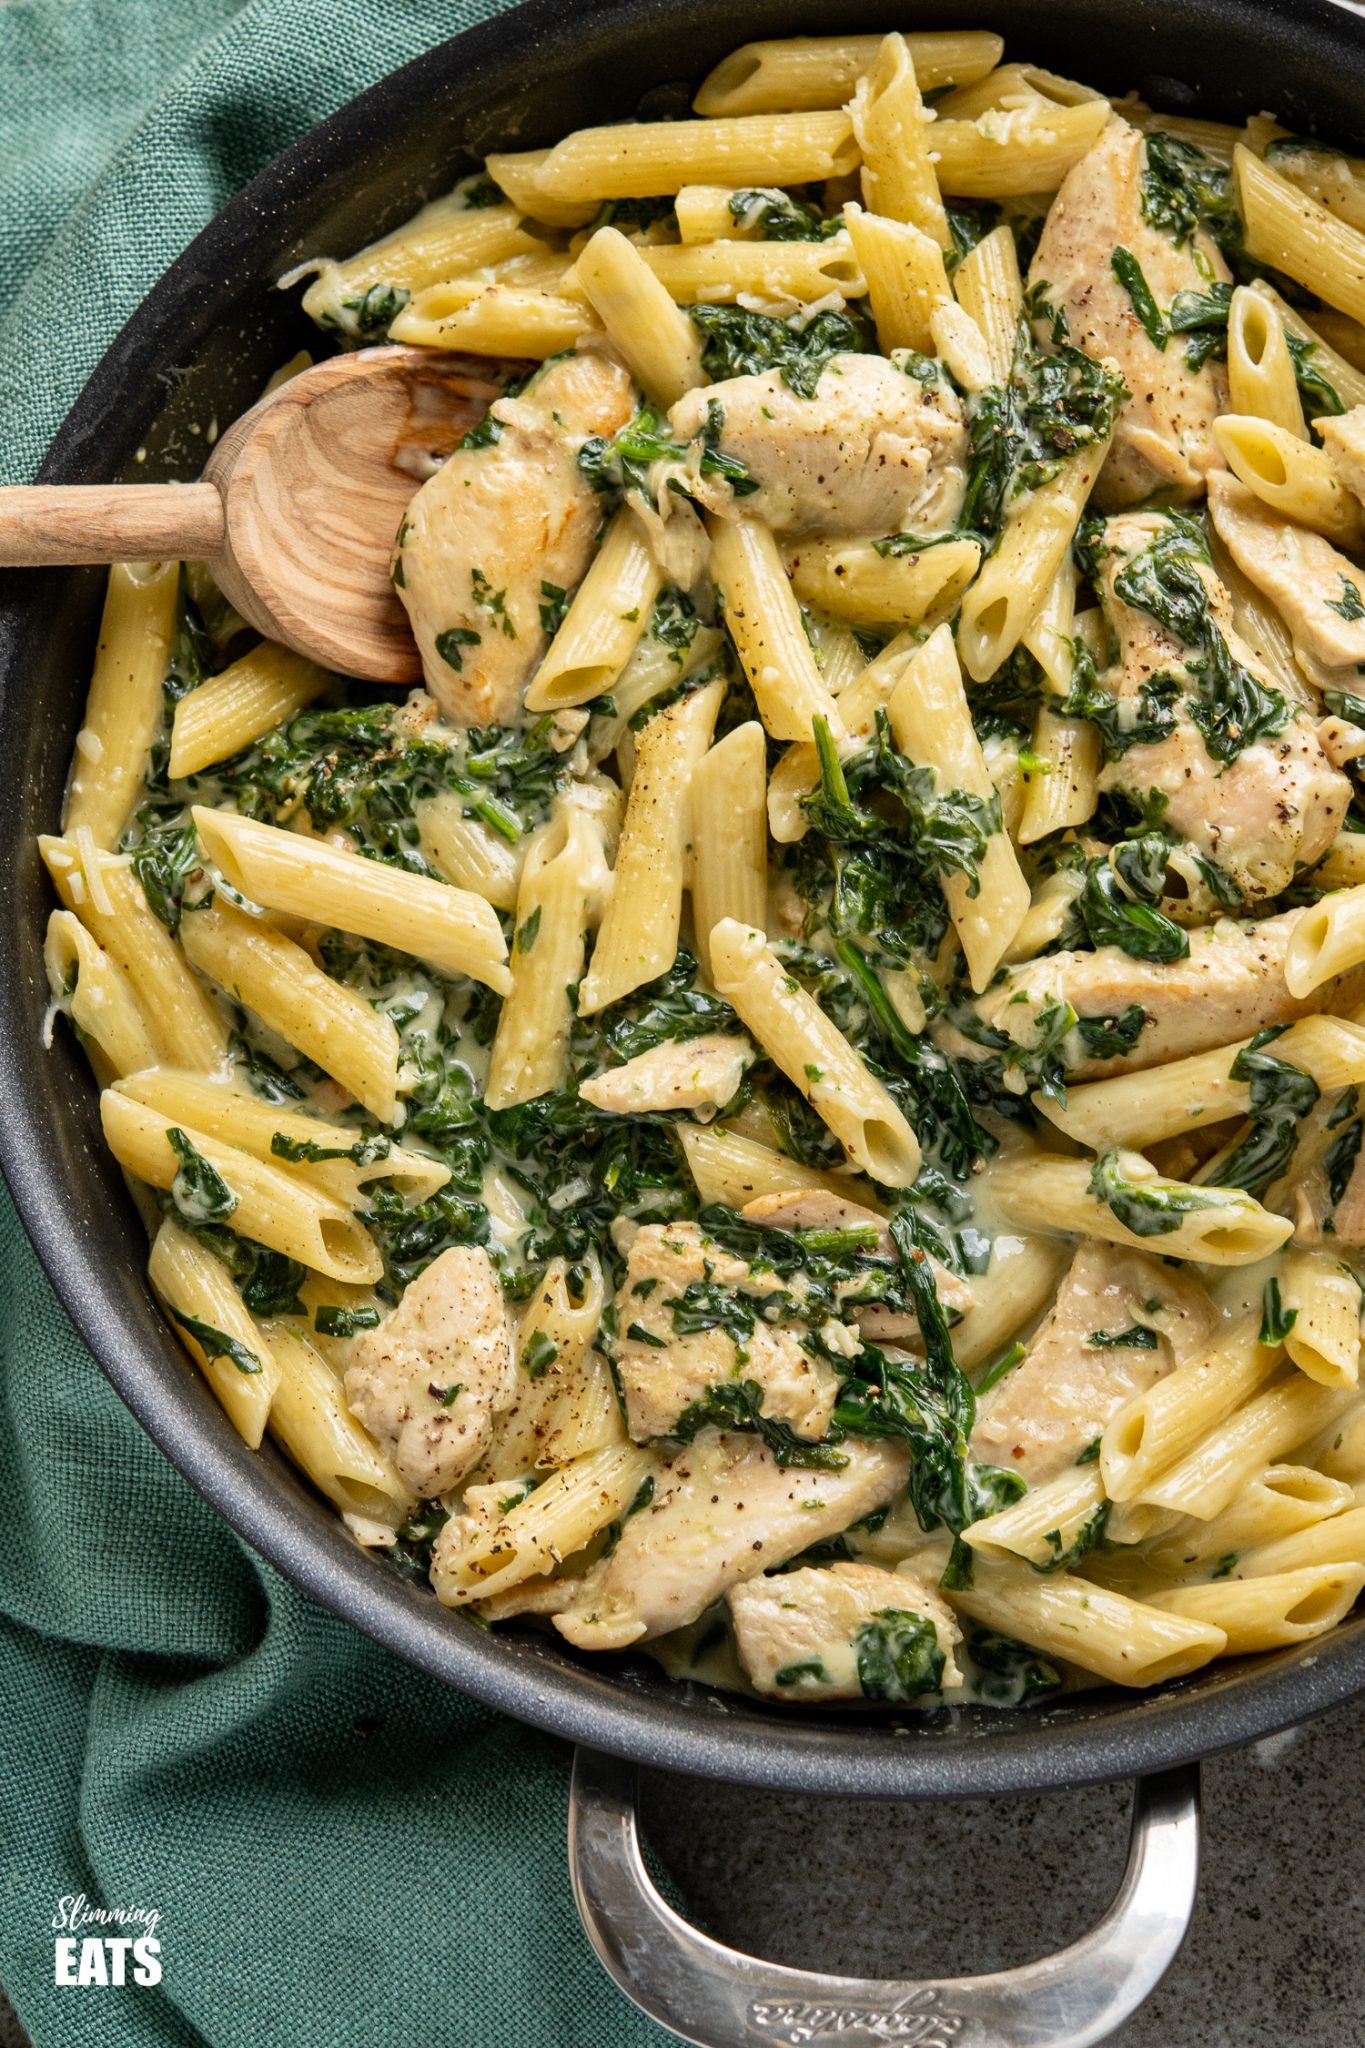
(298, 506)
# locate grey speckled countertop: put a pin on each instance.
(1276, 1954)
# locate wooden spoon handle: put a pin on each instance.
(46, 523)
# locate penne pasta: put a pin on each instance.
(229, 1347)
(1328, 938)
(797, 774)
(1003, 155)
(898, 179)
(348, 1161)
(560, 1517)
(268, 1204)
(1064, 789)
(1277, 1502)
(1272, 1424)
(1187, 1095)
(1261, 627)
(1015, 581)
(489, 318)
(1024, 1271)
(1328, 175)
(729, 872)
(1336, 1539)
(312, 1424)
(988, 287)
(564, 1406)
(240, 705)
(720, 273)
(1327, 339)
(1292, 232)
(94, 992)
(639, 936)
(1012, 85)
(765, 623)
(659, 344)
(931, 722)
(180, 1019)
(452, 929)
(326, 1021)
(818, 1061)
(124, 709)
(1321, 1304)
(1298, 480)
(1261, 376)
(1125, 1641)
(903, 270)
(1266, 1613)
(638, 159)
(447, 239)
(810, 72)
(1220, 1226)
(879, 583)
(465, 851)
(1344, 866)
(732, 1169)
(562, 887)
(1045, 1524)
(602, 626)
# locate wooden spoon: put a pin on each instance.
(298, 506)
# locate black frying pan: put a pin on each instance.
(201, 345)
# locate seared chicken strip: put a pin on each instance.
(723, 1511)
(1164, 436)
(1259, 818)
(1230, 985)
(675, 1275)
(874, 451)
(1318, 591)
(431, 1378)
(1052, 1405)
(814, 1634)
(696, 1074)
(494, 524)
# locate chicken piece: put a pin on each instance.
(497, 522)
(723, 1511)
(1318, 592)
(874, 451)
(1259, 818)
(821, 1209)
(1343, 436)
(1164, 435)
(1040, 1417)
(674, 1273)
(813, 1635)
(1230, 985)
(698, 1074)
(437, 1370)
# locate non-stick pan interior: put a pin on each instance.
(196, 353)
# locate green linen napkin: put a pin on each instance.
(341, 1852)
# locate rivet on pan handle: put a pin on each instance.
(715, 1997)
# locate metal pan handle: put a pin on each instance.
(715, 1997)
